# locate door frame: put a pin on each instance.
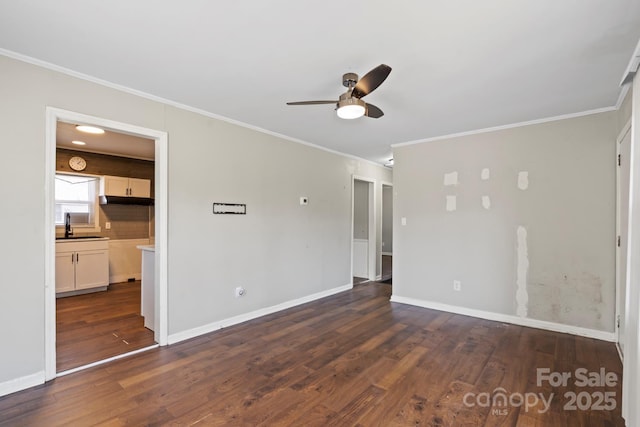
(382, 185)
(371, 270)
(626, 129)
(53, 116)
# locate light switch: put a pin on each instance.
(403, 221)
(107, 225)
(304, 200)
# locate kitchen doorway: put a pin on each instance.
(159, 231)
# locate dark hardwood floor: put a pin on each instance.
(350, 359)
(99, 325)
(359, 280)
(386, 272)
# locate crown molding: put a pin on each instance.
(509, 126)
(632, 67)
(145, 95)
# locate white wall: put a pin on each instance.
(567, 211)
(280, 251)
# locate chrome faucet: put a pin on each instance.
(67, 226)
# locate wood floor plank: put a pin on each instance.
(352, 359)
(100, 325)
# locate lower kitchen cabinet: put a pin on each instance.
(82, 266)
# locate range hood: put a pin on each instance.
(126, 200)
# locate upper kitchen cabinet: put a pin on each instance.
(139, 187)
(125, 187)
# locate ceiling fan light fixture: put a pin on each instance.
(350, 108)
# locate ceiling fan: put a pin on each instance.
(350, 105)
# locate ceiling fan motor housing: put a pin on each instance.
(349, 79)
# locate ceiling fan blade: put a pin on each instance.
(373, 112)
(311, 102)
(371, 81)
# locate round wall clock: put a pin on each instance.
(77, 163)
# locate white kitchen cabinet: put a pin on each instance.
(124, 187)
(139, 187)
(82, 265)
(65, 271)
(114, 186)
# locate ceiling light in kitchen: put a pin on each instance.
(79, 142)
(90, 129)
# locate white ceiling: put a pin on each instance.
(457, 65)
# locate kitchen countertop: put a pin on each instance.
(151, 248)
(80, 239)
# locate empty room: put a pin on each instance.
(320, 213)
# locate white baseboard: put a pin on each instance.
(21, 383)
(387, 253)
(119, 278)
(507, 318)
(205, 329)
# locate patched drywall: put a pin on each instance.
(569, 299)
(522, 295)
(532, 229)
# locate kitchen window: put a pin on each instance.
(77, 194)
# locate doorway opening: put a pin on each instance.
(363, 248)
(386, 256)
(119, 300)
(98, 301)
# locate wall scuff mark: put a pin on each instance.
(522, 298)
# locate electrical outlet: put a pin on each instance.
(107, 225)
(457, 285)
(240, 292)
